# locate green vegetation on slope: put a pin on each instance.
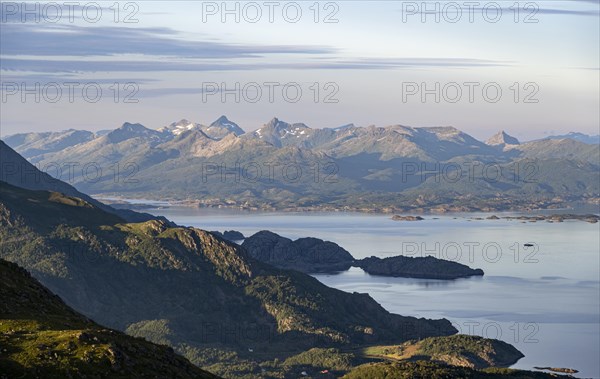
(40, 336)
(431, 370)
(458, 350)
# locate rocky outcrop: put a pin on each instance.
(502, 139)
(307, 255)
(230, 235)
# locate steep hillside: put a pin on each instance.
(559, 149)
(18, 172)
(34, 145)
(41, 337)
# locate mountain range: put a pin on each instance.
(292, 166)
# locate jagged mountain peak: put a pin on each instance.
(223, 120)
(276, 132)
(176, 128)
(273, 122)
(226, 127)
(182, 122)
(278, 124)
(502, 138)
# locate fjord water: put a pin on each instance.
(543, 299)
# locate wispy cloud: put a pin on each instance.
(73, 40)
(190, 65)
(78, 49)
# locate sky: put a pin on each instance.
(529, 68)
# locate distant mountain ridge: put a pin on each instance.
(274, 131)
(353, 168)
(344, 140)
(581, 137)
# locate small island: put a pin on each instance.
(562, 370)
(313, 255)
(407, 218)
(591, 218)
(417, 267)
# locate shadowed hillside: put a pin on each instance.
(41, 337)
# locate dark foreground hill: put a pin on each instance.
(186, 287)
(41, 337)
(17, 171)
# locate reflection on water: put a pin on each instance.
(545, 301)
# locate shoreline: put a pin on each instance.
(511, 214)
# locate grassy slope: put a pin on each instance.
(459, 350)
(40, 336)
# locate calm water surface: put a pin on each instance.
(544, 299)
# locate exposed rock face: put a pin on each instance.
(305, 254)
(419, 267)
(502, 139)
